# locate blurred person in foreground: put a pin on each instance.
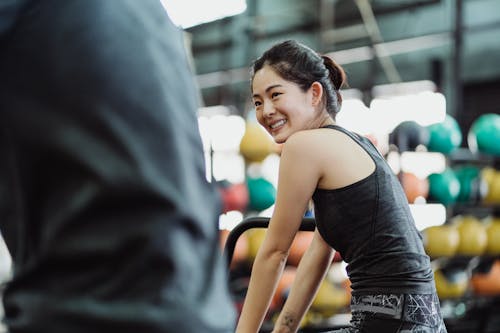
(104, 204)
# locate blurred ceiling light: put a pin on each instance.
(188, 13)
(403, 88)
(348, 56)
(386, 49)
(221, 78)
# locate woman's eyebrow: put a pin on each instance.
(267, 89)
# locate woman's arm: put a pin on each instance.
(266, 272)
(310, 272)
(298, 178)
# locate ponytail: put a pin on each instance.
(336, 75)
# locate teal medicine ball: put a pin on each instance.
(262, 194)
(444, 137)
(444, 187)
(484, 134)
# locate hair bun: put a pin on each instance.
(336, 73)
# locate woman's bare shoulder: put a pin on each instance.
(310, 145)
(301, 142)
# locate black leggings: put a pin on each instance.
(391, 313)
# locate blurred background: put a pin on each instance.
(424, 86)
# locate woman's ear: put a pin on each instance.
(317, 93)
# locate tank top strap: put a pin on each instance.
(353, 135)
(365, 143)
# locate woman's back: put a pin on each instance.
(369, 222)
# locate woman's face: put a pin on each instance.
(283, 108)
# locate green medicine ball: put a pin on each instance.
(444, 137)
(484, 134)
(472, 187)
(444, 187)
(262, 194)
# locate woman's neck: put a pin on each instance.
(328, 120)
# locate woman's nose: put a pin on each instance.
(268, 110)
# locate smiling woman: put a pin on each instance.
(360, 207)
(286, 98)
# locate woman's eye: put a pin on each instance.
(256, 103)
(275, 94)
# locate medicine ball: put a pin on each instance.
(408, 135)
(444, 137)
(484, 134)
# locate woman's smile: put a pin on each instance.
(276, 126)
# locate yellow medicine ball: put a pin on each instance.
(441, 241)
(451, 284)
(473, 237)
(493, 232)
(256, 144)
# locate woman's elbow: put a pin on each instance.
(276, 255)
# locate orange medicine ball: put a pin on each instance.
(413, 186)
(284, 285)
(487, 283)
(299, 246)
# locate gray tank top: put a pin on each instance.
(370, 224)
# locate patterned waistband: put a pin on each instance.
(416, 308)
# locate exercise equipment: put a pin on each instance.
(256, 144)
(240, 253)
(283, 288)
(414, 186)
(234, 196)
(330, 299)
(258, 223)
(473, 236)
(445, 136)
(444, 187)
(491, 178)
(472, 187)
(451, 283)
(484, 134)
(408, 135)
(262, 193)
(493, 236)
(238, 287)
(441, 241)
(487, 283)
(299, 246)
(255, 240)
(487, 174)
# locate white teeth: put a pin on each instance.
(278, 123)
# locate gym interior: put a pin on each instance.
(423, 86)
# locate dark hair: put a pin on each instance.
(298, 63)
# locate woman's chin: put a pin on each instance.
(280, 136)
(279, 139)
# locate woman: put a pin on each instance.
(360, 208)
